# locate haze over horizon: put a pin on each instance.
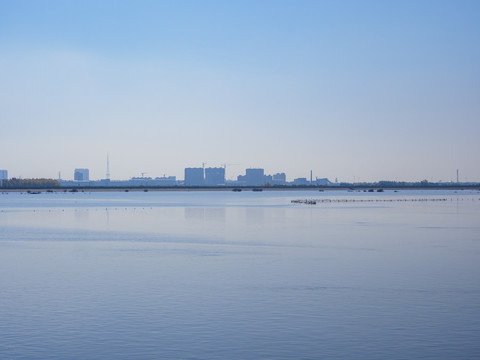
(354, 90)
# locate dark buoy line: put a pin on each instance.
(315, 201)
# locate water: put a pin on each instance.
(223, 275)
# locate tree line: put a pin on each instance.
(15, 183)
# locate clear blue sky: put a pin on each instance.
(369, 90)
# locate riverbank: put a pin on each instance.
(243, 188)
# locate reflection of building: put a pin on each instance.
(214, 176)
(3, 176)
(81, 175)
(194, 177)
(254, 177)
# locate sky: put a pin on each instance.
(353, 90)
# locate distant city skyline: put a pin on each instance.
(214, 176)
(355, 90)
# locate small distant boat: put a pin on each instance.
(34, 192)
(236, 189)
(257, 189)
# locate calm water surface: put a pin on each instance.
(223, 275)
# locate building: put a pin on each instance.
(3, 176)
(140, 181)
(254, 177)
(165, 181)
(194, 177)
(215, 176)
(323, 182)
(279, 179)
(81, 175)
(241, 181)
(301, 182)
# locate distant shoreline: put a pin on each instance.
(243, 188)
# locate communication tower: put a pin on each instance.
(108, 168)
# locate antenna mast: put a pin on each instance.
(108, 167)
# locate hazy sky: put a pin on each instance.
(369, 90)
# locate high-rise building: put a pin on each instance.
(81, 175)
(279, 179)
(214, 176)
(194, 177)
(254, 177)
(3, 176)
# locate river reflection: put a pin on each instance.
(217, 275)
